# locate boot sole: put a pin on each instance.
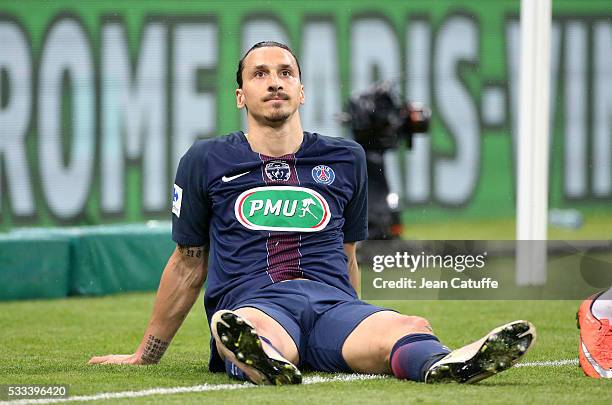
(501, 349)
(242, 340)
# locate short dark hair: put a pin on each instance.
(264, 44)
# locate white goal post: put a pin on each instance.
(533, 142)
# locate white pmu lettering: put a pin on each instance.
(256, 205)
(273, 208)
(287, 207)
(286, 212)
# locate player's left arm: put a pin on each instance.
(350, 249)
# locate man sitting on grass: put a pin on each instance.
(272, 216)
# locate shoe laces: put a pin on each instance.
(604, 340)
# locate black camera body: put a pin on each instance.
(378, 119)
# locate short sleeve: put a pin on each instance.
(190, 202)
(356, 212)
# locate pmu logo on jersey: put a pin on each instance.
(277, 171)
(323, 174)
(282, 208)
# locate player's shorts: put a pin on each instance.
(318, 317)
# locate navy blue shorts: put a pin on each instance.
(318, 317)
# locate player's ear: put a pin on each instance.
(302, 95)
(240, 98)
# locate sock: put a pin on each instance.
(413, 354)
(602, 307)
(234, 372)
(266, 340)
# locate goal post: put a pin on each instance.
(533, 142)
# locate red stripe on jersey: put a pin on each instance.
(283, 247)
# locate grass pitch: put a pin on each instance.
(595, 227)
(49, 342)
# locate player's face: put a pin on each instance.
(271, 88)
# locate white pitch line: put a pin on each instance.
(555, 363)
(315, 379)
(221, 387)
(181, 390)
(132, 394)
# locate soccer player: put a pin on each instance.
(272, 216)
(595, 323)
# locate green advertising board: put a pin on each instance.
(99, 99)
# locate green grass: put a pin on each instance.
(49, 342)
(595, 227)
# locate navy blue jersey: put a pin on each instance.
(269, 219)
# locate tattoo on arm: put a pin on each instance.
(191, 251)
(154, 350)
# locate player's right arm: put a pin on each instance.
(185, 272)
(179, 288)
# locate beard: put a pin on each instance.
(277, 116)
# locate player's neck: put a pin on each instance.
(275, 141)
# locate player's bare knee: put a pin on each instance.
(382, 350)
(252, 316)
(264, 326)
(414, 324)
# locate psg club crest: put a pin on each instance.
(323, 174)
(278, 171)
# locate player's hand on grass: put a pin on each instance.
(132, 359)
(150, 352)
